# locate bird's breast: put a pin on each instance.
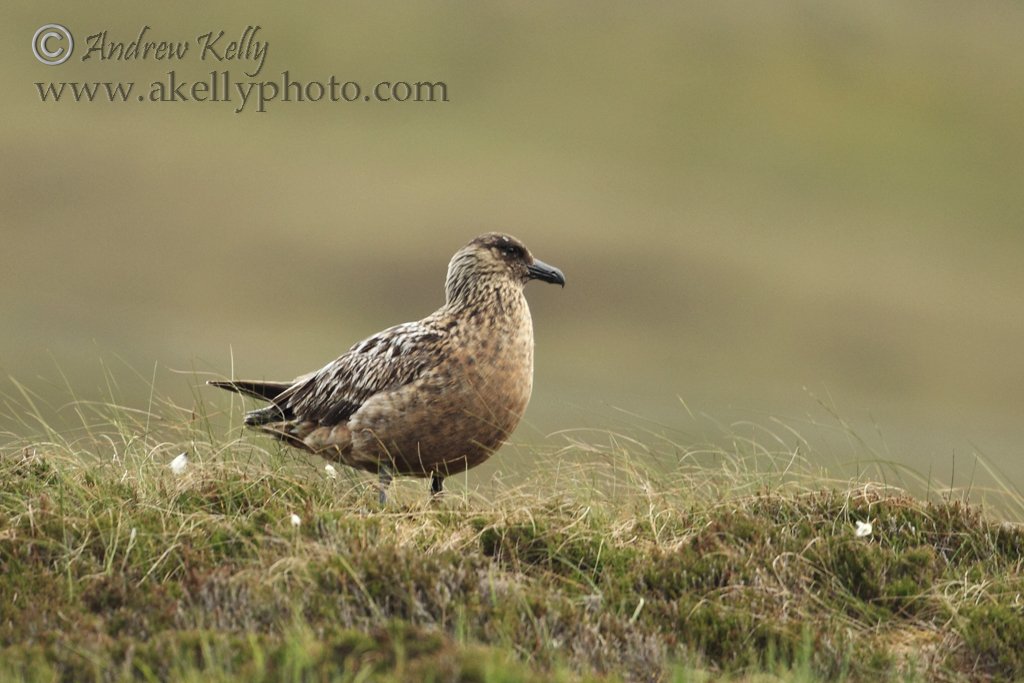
(496, 357)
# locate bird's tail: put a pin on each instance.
(263, 416)
(267, 391)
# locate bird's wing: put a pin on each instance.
(387, 360)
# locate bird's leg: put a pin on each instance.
(436, 485)
(385, 481)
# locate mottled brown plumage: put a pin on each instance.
(427, 398)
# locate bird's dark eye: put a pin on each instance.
(511, 252)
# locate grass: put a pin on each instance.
(612, 559)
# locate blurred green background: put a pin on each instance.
(755, 204)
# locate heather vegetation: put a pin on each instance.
(610, 560)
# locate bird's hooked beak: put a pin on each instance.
(539, 270)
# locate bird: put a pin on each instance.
(430, 398)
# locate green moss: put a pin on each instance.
(529, 547)
(733, 637)
(993, 637)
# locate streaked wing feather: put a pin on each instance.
(387, 360)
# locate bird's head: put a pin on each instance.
(493, 258)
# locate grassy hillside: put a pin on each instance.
(257, 565)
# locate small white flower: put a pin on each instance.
(331, 472)
(179, 464)
(296, 520)
(863, 529)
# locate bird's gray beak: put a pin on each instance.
(539, 270)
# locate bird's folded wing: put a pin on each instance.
(392, 358)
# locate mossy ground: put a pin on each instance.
(114, 568)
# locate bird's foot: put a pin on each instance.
(436, 486)
(384, 482)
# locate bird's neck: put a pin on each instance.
(490, 297)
